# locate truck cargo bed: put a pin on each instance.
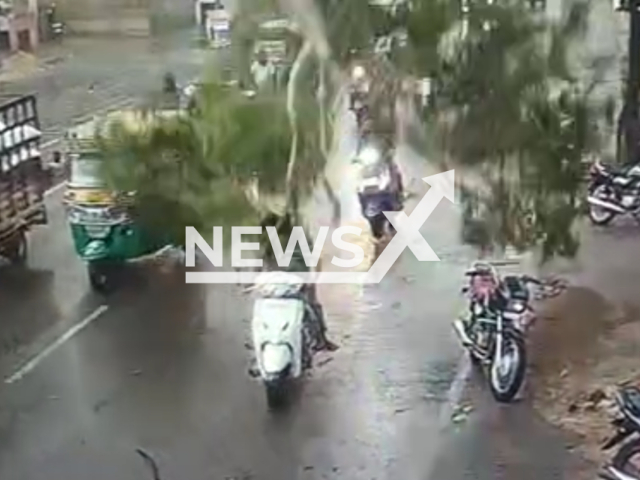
(22, 176)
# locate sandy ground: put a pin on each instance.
(583, 348)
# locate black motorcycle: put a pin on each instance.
(613, 191)
(494, 335)
(625, 464)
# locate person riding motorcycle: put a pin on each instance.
(371, 155)
(358, 90)
(284, 226)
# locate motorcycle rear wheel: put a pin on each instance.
(598, 215)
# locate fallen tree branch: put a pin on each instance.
(150, 462)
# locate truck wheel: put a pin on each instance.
(100, 277)
(17, 251)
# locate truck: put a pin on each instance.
(23, 178)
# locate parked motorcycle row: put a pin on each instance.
(614, 191)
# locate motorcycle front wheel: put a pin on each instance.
(627, 460)
(506, 374)
(377, 224)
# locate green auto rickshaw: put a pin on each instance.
(104, 230)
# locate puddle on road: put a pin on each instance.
(437, 378)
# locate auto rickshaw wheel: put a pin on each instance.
(101, 276)
(16, 250)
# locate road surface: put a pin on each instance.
(162, 366)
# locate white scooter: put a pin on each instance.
(281, 338)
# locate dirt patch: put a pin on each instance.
(582, 348)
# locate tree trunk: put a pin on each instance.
(290, 187)
(324, 143)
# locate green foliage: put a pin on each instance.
(427, 22)
(195, 168)
(512, 112)
(352, 25)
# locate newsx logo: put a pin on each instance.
(407, 236)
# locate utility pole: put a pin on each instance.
(633, 81)
(629, 119)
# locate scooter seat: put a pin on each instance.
(629, 399)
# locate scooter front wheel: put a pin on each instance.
(276, 393)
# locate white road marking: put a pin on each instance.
(35, 361)
(50, 143)
(54, 189)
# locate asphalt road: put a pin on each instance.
(162, 366)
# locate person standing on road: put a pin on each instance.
(262, 71)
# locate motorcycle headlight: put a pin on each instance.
(518, 307)
(477, 309)
(358, 72)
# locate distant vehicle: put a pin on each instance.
(23, 178)
(218, 28)
(204, 6)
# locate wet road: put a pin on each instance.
(163, 366)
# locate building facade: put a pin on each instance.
(18, 25)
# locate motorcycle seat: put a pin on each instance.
(629, 399)
(517, 290)
(620, 170)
